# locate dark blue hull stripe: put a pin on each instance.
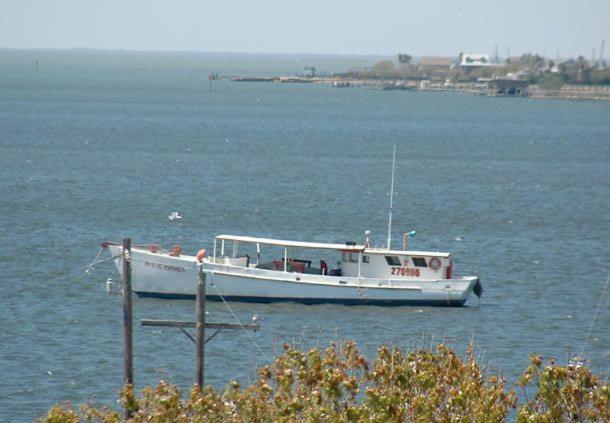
(310, 301)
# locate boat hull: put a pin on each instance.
(162, 276)
(308, 301)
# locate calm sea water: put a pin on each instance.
(101, 146)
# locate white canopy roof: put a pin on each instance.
(292, 244)
(406, 252)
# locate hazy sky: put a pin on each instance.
(314, 26)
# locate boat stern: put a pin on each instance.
(477, 289)
(458, 290)
(470, 285)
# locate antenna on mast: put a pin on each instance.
(391, 198)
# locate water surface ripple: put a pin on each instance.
(93, 153)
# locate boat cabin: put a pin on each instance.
(349, 260)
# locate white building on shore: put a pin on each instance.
(472, 60)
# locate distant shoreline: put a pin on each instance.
(567, 92)
(360, 76)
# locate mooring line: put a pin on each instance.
(240, 323)
(91, 265)
(599, 304)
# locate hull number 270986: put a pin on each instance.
(405, 271)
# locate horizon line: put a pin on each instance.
(130, 50)
(261, 53)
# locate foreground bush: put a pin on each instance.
(569, 393)
(339, 384)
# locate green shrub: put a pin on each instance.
(571, 393)
(601, 76)
(339, 385)
(551, 82)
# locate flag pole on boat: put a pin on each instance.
(391, 198)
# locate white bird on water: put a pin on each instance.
(174, 216)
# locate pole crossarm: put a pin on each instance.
(208, 325)
(188, 335)
(209, 338)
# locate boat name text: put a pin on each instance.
(160, 266)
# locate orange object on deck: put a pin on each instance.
(201, 255)
(176, 250)
(154, 248)
(297, 266)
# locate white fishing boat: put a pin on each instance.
(363, 274)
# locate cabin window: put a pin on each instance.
(365, 259)
(419, 262)
(349, 257)
(392, 260)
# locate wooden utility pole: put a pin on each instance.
(127, 317)
(200, 326)
(200, 329)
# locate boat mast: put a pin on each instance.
(391, 198)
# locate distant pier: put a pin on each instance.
(252, 79)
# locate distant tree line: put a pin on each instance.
(532, 67)
(571, 71)
(404, 59)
